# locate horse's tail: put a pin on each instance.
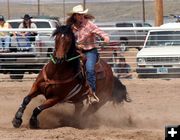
(120, 93)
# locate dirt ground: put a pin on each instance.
(155, 104)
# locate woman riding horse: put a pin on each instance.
(59, 81)
(85, 32)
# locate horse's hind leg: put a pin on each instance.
(17, 121)
(33, 122)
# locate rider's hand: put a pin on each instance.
(106, 40)
(80, 46)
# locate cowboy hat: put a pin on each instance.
(78, 10)
(27, 17)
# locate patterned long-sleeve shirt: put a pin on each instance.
(86, 34)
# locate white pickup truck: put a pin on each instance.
(20, 59)
(160, 55)
(130, 38)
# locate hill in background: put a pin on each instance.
(115, 11)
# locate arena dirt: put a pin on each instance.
(155, 104)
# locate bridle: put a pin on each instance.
(56, 60)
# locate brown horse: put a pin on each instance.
(63, 80)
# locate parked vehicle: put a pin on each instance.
(130, 38)
(160, 55)
(20, 59)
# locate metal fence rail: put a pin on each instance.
(120, 53)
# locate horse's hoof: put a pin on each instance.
(34, 123)
(17, 122)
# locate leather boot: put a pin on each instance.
(93, 98)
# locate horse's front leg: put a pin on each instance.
(33, 122)
(17, 121)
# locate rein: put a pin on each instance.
(73, 58)
(67, 60)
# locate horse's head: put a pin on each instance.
(64, 42)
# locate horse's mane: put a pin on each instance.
(67, 30)
(63, 29)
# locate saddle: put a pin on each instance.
(100, 73)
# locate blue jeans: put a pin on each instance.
(92, 57)
(23, 41)
(5, 42)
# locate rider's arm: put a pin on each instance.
(96, 30)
